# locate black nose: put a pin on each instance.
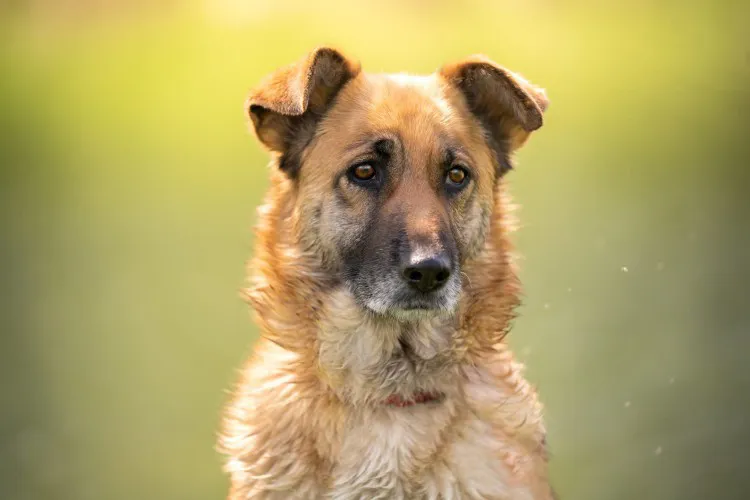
(428, 274)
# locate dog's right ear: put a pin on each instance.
(287, 104)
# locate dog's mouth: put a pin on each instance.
(420, 303)
(418, 398)
(407, 304)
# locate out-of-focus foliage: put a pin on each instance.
(128, 182)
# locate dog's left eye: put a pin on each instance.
(456, 177)
(362, 173)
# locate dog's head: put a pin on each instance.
(394, 175)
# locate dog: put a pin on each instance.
(384, 283)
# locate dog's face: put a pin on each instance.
(395, 175)
(403, 188)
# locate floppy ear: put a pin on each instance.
(509, 107)
(288, 103)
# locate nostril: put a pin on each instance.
(427, 275)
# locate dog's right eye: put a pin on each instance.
(362, 173)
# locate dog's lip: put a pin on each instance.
(407, 307)
(417, 305)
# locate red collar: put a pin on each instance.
(418, 398)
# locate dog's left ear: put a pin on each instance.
(287, 105)
(509, 107)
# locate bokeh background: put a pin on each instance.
(128, 187)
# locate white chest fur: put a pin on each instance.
(482, 442)
(425, 452)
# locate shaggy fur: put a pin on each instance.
(309, 418)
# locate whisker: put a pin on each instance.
(463, 273)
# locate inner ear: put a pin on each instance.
(288, 104)
(507, 106)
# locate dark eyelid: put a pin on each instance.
(457, 156)
(375, 152)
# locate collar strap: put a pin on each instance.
(418, 398)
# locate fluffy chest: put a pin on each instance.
(431, 452)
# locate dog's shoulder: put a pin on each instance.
(497, 390)
(269, 430)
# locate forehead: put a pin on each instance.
(423, 112)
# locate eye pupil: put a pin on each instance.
(456, 175)
(364, 172)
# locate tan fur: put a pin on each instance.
(307, 419)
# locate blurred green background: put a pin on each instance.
(128, 186)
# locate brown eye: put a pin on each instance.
(456, 176)
(364, 172)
